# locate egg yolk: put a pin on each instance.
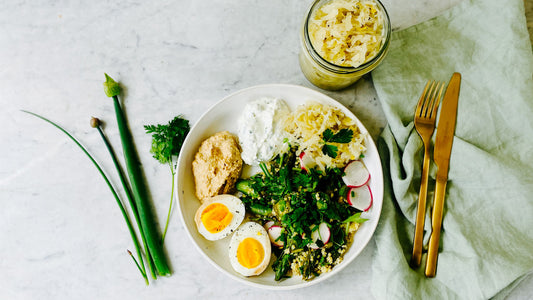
(216, 217)
(250, 253)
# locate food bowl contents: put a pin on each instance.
(347, 32)
(313, 223)
(320, 233)
(356, 174)
(217, 165)
(299, 208)
(261, 129)
(274, 233)
(360, 197)
(249, 249)
(219, 216)
(301, 200)
(325, 135)
(342, 40)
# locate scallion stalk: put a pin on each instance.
(95, 123)
(148, 225)
(117, 199)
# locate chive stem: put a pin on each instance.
(142, 270)
(117, 199)
(129, 195)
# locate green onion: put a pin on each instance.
(95, 123)
(119, 203)
(148, 225)
(140, 267)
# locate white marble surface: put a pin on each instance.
(61, 233)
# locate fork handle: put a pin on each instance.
(421, 211)
(436, 224)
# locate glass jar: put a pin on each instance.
(327, 75)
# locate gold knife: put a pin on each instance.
(441, 156)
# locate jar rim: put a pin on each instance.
(346, 69)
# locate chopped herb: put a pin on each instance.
(343, 136)
(330, 150)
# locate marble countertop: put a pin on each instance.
(61, 233)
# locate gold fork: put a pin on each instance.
(425, 116)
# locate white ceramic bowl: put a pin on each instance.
(223, 116)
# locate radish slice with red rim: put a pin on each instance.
(306, 161)
(356, 174)
(274, 232)
(322, 233)
(360, 197)
(268, 225)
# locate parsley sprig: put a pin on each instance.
(166, 144)
(342, 136)
(168, 139)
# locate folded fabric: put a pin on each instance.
(487, 236)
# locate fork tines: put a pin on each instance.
(427, 108)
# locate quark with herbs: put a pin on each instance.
(260, 129)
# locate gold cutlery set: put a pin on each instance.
(425, 119)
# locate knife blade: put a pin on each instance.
(441, 157)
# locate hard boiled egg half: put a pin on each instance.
(219, 216)
(249, 249)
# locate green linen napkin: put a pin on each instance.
(487, 238)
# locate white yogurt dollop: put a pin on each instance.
(261, 131)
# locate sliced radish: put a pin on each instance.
(306, 161)
(268, 225)
(322, 233)
(274, 232)
(360, 197)
(356, 174)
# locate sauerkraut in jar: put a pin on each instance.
(342, 40)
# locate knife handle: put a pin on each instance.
(436, 223)
(421, 211)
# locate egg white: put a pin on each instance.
(236, 208)
(250, 230)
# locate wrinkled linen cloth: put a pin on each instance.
(487, 235)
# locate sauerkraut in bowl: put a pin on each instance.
(342, 40)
